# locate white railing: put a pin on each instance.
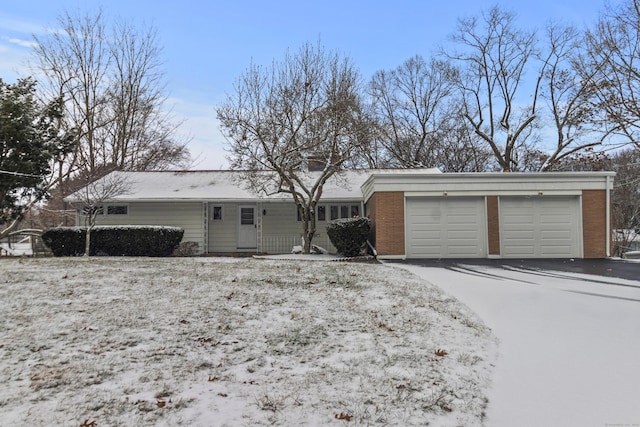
(284, 244)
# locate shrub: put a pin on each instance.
(64, 241)
(349, 236)
(125, 240)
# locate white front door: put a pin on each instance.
(247, 231)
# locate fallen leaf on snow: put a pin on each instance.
(343, 416)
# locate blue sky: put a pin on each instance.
(207, 44)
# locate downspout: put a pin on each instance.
(608, 215)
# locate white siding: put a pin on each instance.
(281, 229)
(223, 234)
(539, 227)
(446, 227)
(189, 216)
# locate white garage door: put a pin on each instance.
(446, 227)
(540, 227)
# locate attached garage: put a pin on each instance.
(497, 215)
(540, 227)
(446, 227)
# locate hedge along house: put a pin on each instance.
(495, 215)
(416, 213)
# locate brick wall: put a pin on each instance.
(387, 213)
(594, 218)
(493, 225)
(386, 210)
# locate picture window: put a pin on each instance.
(118, 210)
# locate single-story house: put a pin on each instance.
(416, 213)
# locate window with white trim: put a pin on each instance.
(87, 210)
(344, 211)
(117, 210)
(216, 213)
(322, 213)
(335, 212)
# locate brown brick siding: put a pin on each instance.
(386, 210)
(493, 225)
(594, 218)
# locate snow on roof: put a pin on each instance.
(232, 185)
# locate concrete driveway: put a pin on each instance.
(569, 351)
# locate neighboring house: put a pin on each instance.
(416, 213)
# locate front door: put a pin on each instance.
(247, 231)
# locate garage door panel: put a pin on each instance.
(556, 235)
(426, 235)
(450, 227)
(555, 220)
(463, 235)
(549, 229)
(518, 235)
(516, 222)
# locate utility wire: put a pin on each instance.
(19, 174)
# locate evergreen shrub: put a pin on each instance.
(350, 235)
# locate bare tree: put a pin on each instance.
(409, 103)
(493, 59)
(626, 198)
(111, 81)
(142, 135)
(458, 148)
(95, 194)
(568, 85)
(615, 44)
(304, 108)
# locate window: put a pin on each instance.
(98, 210)
(322, 213)
(246, 216)
(216, 213)
(344, 211)
(118, 210)
(334, 212)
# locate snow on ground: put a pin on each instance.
(235, 342)
(569, 344)
(16, 249)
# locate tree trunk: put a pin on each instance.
(87, 241)
(308, 228)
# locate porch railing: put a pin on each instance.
(284, 244)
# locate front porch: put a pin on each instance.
(268, 227)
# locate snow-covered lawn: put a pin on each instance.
(207, 341)
(569, 344)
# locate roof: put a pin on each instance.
(227, 185)
(488, 183)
